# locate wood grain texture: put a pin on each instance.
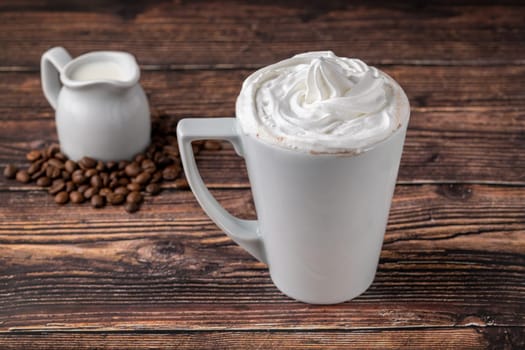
(452, 268)
(472, 338)
(452, 257)
(457, 133)
(247, 34)
(213, 92)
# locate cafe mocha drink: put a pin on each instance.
(319, 102)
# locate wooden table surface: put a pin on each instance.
(452, 269)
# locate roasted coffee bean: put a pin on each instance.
(57, 186)
(70, 186)
(134, 197)
(134, 186)
(66, 175)
(78, 177)
(148, 164)
(211, 145)
(56, 163)
(33, 168)
(172, 151)
(62, 197)
(170, 173)
(131, 207)
(70, 166)
(111, 165)
(90, 192)
(54, 173)
(33, 155)
(100, 166)
(52, 150)
(139, 157)
(196, 148)
(96, 181)
(90, 172)
(58, 182)
(105, 179)
(122, 190)
(10, 171)
(82, 188)
(156, 177)
(115, 198)
(43, 181)
(76, 197)
(133, 169)
(123, 181)
(157, 156)
(22, 176)
(143, 178)
(113, 184)
(49, 170)
(87, 163)
(38, 174)
(105, 191)
(150, 171)
(181, 184)
(97, 201)
(60, 156)
(153, 189)
(122, 164)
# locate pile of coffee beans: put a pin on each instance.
(108, 183)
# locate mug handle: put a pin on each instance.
(243, 232)
(51, 66)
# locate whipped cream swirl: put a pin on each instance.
(319, 102)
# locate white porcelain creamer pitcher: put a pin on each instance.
(101, 110)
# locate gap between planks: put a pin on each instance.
(93, 329)
(224, 66)
(216, 186)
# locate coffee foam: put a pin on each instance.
(318, 102)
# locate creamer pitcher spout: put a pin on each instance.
(118, 69)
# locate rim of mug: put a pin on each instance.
(402, 127)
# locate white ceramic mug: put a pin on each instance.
(321, 217)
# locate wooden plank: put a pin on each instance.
(453, 256)
(446, 152)
(213, 93)
(236, 34)
(457, 133)
(442, 338)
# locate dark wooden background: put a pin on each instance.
(452, 270)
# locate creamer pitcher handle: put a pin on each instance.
(243, 232)
(51, 65)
